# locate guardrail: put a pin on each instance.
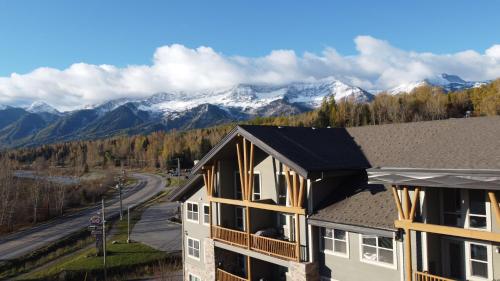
(273, 247)
(226, 276)
(424, 276)
(231, 236)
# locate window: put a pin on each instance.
(478, 261)
(377, 249)
(477, 209)
(206, 214)
(282, 190)
(193, 277)
(192, 211)
(256, 186)
(452, 207)
(240, 218)
(193, 248)
(335, 241)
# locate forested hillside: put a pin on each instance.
(158, 149)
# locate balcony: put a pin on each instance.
(274, 247)
(226, 276)
(230, 236)
(424, 276)
(269, 246)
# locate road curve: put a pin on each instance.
(23, 242)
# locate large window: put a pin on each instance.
(206, 214)
(282, 190)
(478, 261)
(335, 241)
(240, 218)
(378, 249)
(465, 208)
(193, 248)
(477, 209)
(452, 207)
(256, 186)
(192, 211)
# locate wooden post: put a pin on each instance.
(408, 265)
(240, 168)
(398, 203)
(250, 181)
(289, 186)
(295, 189)
(297, 236)
(247, 222)
(249, 268)
(245, 169)
(496, 208)
(406, 202)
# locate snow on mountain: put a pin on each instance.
(446, 81)
(247, 98)
(2, 107)
(41, 107)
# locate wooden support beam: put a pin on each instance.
(212, 180)
(408, 262)
(494, 203)
(414, 204)
(245, 169)
(289, 185)
(240, 169)
(300, 200)
(295, 187)
(258, 205)
(406, 202)
(250, 181)
(449, 230)
(249, 268)
(398, 202)
(247, 226)
(205, 181)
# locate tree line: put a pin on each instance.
(159, 150)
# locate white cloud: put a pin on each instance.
(377, 65)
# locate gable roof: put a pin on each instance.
(306, 150)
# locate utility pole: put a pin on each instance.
(119, 186)
(104, 238)
(178, 171)
(128, 224)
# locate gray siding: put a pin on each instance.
(353, 269)
(195, 230)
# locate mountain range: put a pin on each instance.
(41, 123)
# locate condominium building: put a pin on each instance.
(415, 201)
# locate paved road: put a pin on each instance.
(154, 228)
(23, 242)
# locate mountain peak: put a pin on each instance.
(41, 107)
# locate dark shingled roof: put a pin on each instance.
(313, 149)
(472, 143)
(372, 206)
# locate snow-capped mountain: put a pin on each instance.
(246, 98)
(41, 107)
(445, 81)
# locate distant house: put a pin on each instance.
(415, 201)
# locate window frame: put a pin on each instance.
(333, 252)
(468, 260)
(187, 211)
(206, 214)
(465, 211)
(237, 182)
(194, 276)
(393, 265)
(187, 248)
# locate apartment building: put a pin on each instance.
(414, 201)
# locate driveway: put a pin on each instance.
(156, 230)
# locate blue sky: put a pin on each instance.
(59, 33)
(72, 53)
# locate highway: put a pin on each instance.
(20, 243)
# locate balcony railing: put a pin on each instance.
(424, 276)
(231, 236)
(226, 276)
(274, 247)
